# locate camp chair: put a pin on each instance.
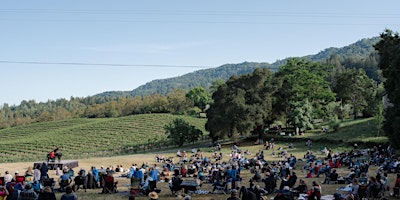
(135, 186)
(2, 181)
(221, 188)
(63, 184)
(79, 181)
(109, 185)
(49, 182)
(175, 185)
(20, 179)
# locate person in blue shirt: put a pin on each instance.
(95, 174)
(153, 173)
(138, 174)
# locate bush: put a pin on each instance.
(334, 124)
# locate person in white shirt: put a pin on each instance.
(37, 174)
(7, 177)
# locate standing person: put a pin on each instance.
(43, 171)
(37, 173)
(309, 144)
(69, 194)
(315, 192)
(154, 175)
(95, 174)
(272, 143)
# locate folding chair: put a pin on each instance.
(109, 185)
(49, 182)
(63, 184)
(20, 179)
(79, 181)
(135, 186)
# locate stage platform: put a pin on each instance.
(53, 165)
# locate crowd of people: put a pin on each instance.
(188, 171)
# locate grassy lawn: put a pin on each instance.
(126, 160)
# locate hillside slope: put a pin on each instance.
(204, 78)
(81, 138)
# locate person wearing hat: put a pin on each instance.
(234, 195)
(153, 195)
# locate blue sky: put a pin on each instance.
(162, 39)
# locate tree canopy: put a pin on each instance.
(389, 51)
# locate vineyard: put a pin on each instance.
(84, 138)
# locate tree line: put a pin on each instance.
(177, 102)
(295, 95)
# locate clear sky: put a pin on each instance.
(134, 42)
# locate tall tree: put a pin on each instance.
(242, 105)
(199, 96)
(389, 51)
(355, 88)
(299, 80)
(181, 132)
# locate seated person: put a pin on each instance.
(323, 170)
(175, 184)
(285, 194)
(301, 189)
(64, 180)
(3, 193)
(28, 193)
(349, 178)
(331, 177)
(257, 176)
(47, 193)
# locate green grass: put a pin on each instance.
(81, 138)
(351, 131)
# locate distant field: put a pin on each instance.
(83, 138)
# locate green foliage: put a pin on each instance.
(181, 132)
(195, 111)
(355, 88)
(334, 124)
(389, 51)
(301, 115)
(241, 105)
(199, 96)
(299, 80)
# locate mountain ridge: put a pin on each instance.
(205, 77)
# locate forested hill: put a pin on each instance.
(204, 78)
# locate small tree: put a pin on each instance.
(181, 132)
